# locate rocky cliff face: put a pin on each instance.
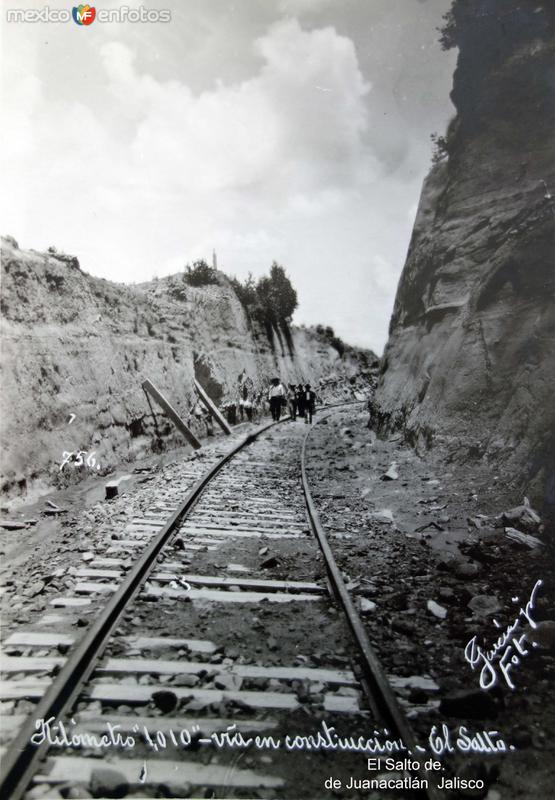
(74, 344)
(470, 360)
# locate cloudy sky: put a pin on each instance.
(288, 130)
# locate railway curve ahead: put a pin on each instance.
(227, 662)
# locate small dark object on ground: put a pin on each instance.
(165, 700)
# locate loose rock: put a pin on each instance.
(366, 606)
(467, 569)
(228, 681)
(35, 588)
(385, 516)
(165, 700)
(392, 473)
(523, 539)
(108, 783)
(437, 610)
(484, 604)
(185, 679)
(524, 516)
(12, 525)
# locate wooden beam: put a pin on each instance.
(212, 408)
(171, 413)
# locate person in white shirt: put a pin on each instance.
(276, 396)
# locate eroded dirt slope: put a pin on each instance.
(77, 345)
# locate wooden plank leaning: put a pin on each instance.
(212, 408)
(171, 413)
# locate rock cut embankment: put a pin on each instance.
(470, 360)
(75, 344)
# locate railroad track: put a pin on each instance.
(221, 649)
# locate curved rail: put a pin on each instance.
(19, 763)
(379, 693)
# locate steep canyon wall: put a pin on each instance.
(470, 360)
(74, 344)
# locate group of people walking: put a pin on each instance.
(249, 402)
(300, 400)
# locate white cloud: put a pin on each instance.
(275, 124)
(136, 173)
(274, 139)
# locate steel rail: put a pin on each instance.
(19, 763)
(379, 693)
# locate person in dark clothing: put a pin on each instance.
(276, 396)
(310, 402)
(229, 410)
(300, 400)
(244, 406)
(201, 414)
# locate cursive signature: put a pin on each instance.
(509, 648)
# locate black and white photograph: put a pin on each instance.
(277, 378)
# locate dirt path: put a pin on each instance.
(427, 580)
